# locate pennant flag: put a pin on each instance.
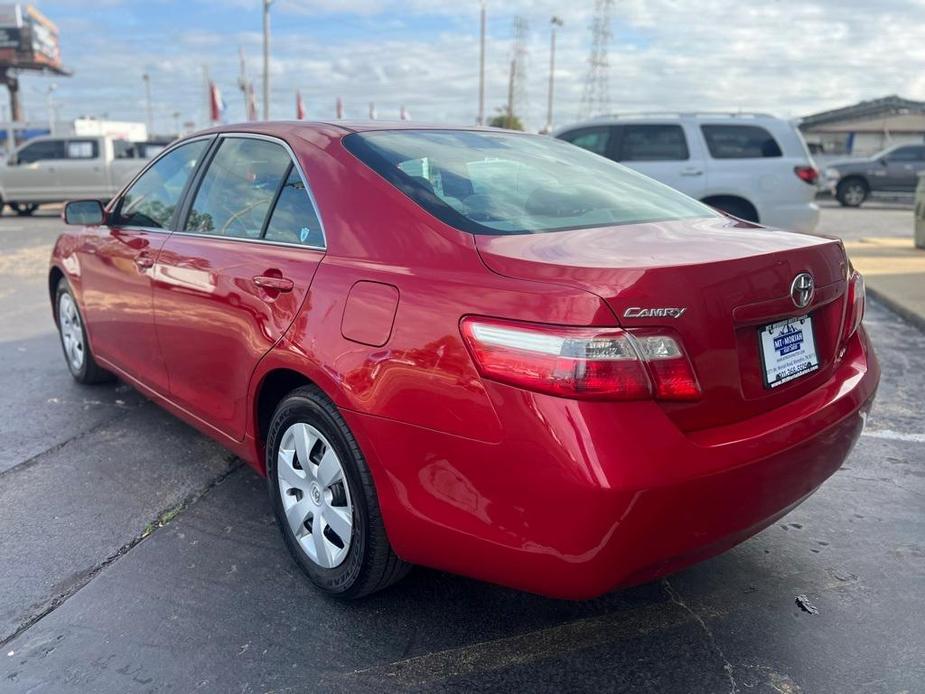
(216, 103)
(340, 108)
(299, 106)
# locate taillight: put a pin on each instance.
(856, 300)
(585, 363)
(809, 174)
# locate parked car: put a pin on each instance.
(753, 166)
(894, 170)
(54, 169)
(486, 352)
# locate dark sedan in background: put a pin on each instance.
(894, 170)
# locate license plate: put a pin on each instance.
(788, 350)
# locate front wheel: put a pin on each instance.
(324, 499)
(80, 361)
(23, 209)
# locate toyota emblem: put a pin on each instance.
(802, 289)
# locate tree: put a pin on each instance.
(502, 120)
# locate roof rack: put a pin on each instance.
(684, 114)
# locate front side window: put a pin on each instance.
(740, 142)
(294, 219)
(238, 188)
(41, 151)
(908, 153)
(503, 183)
(82, 149)
(154, 196)
(653, 143)
(595, 140)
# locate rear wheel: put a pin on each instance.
(852, 192)
(324, 499)
(80, 361)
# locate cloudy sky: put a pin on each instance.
(789, 57)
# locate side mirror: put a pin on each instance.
(84, 212)
(884, 161)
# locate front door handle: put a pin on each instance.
(144, 261)
(273, 284)
(692, 172)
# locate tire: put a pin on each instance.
(73, 334)
(24, 209)
(306, 421)
(852, 192)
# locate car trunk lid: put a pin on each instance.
(729, 278)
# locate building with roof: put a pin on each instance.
(866, 127)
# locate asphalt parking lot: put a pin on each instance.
(136, 555)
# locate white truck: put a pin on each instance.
(54, 169)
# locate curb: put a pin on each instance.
(903, 312)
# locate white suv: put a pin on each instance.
(753, 166)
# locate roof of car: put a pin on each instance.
(284, 127)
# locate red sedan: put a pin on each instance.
(490, 353)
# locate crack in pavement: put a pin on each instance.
(122, 413)
(162, 519)
(711, 639)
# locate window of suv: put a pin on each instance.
(595, 140)
(238, 188)
(740, 142)
(41, 151)
(653, 143)
(154, 196)
(503, 183)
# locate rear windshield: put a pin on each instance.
(503, 183)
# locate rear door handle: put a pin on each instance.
(275, 284)
(691, 172)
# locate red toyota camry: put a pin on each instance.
(486, 352)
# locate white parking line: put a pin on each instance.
(895, 435)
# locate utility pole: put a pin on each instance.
(150, 120)
(554, 22)
(509, 121)
(176, 122)
(51, 108)
(596, 96)
(266, 58)
(481, 118)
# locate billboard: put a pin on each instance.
(28, 39)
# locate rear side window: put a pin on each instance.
(653, 143)
(595, 140)
(294, 219)
(154, 196)
(83, 149)
(238, 188)
(503, 183)
(41, 151)
(740, 142)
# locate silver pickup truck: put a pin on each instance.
(54, 169)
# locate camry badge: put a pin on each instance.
(802, 289)
(661, 312)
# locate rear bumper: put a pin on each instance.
(581, 498)
(802, 217)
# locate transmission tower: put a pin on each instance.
(595, 98)
(517, 82)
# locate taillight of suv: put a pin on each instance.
(582, 363)
(808, 174)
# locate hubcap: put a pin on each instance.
(315, 496)
(854, 194)
(71, 332)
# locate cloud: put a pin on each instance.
(786, 57)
